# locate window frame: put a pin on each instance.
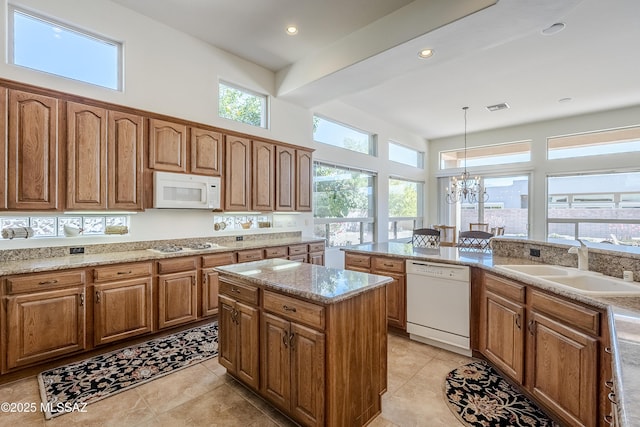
(372, 137)
(462, 157)
(13, 9)
(420, 155)
(596, 138)
(418, 220)
(265, 103)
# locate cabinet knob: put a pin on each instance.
(608, 350)
(609, 384)
(608, 419)
(97, 297)
(518, 322)
(612, 398)
(82, 299)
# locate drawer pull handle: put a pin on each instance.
(236, 290)
(125, 272)
(284, 339)
(387, 265)
(48, 282)
(608, 350)
(82, 299)
(609, 384)
(291, 340)
(612, 398)
(518, 323)
(531, 327)
(608, 419)
(287, 308)
(97, 297)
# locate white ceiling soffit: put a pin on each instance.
(319, 77)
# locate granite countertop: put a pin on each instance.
(90, 260)
(623, 312)
(313, 282)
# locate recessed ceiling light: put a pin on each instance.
(425, 53)
(292, 30)
(498, 107)
(553, 29)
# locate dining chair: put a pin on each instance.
(474, 239)
(447, 234)
(497, 231)
(426, 238)
(480, 226)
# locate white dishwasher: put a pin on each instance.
(438, 300)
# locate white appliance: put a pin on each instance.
(183, 191)
(438, 302)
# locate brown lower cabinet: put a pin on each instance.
(549, 345)
(177, 291)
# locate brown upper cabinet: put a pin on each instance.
(104, 158)
(304, 169)
(206, 152)
(237, 172)
(3, 148)
(167, 146)
(263, 188)
(32, 173)
(285, 178)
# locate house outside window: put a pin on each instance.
(343, 204)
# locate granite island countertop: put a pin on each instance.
(623, 312)
(313, 282)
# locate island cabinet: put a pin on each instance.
(45, 317)
(549, 344)
(122, 301)
(320, 360)
(177, 291)
(210, 282)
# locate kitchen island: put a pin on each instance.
(310, 340)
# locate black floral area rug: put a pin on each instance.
(480, 397)
(91, 380)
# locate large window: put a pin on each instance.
(488, 155)
(340, 135)
(46, 45)
(343, 204)
(242, 105)
(625, 140)
(405, 207)
(405, 155)
(595, 207)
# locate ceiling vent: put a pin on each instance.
(498, 107)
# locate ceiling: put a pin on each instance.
(364, 53)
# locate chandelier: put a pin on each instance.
(464, 188)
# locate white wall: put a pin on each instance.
(540, 167)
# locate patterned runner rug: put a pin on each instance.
(480, 397)
(93, 379)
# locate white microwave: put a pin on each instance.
(183, 191)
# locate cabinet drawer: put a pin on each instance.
(279, 252)
(216, 260)
(297, 250)
(388, 264)
(239, 291)
(504, 287)
(316, 247)
(121, 272)
(581, 317)
(45, 281)
(294, 309)
(177, 264)
(250, 255)
(357, 260)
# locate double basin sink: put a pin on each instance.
(580, 281)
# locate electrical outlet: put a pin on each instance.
(239, 238)
(76, 251)
(534, 252)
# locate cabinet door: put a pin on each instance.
(206, 152)
(86, 157)
(502, 335)
(307, 375)
(316, 258)
(167, 146)
(248, 348)
(285, 178)
(125, 159)
(276, 366)
(44, 325)
(237, 172)
(3, 148)
(122, 310)
(227, 334)
(32, 172)
(210, 286)
(562, 370)
(263, 175)
(177, 299)
(304, 170)
(396, 300)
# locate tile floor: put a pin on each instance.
(203, 395)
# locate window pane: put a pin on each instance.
(242, 105)
(342, 193)
(595, 143)
(48, 46)
(405, 198)
(44, 226)
(403, 229)
(405, 155)
(488, 155)
(508, 204)
(339, 135)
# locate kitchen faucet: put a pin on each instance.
(583, 255)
